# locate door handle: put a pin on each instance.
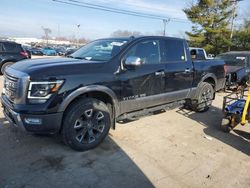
(160, 73)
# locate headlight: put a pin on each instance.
(43, 90)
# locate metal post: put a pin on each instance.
(77, 40)
(165, 21)
(235, 3)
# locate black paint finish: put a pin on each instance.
(129, 89)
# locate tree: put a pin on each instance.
(241, 38)
(211, 29)
(46, 31)
(125, 33)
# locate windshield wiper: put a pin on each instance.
(94, 59)
(85, 58)
(70, 56)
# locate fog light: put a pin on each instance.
(33, 121)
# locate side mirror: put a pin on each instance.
(133, 61)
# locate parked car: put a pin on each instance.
(237, 65)
(60, 51)
(49, 51)
(106, 81)
(36, 51)
(70, 51)
(11, 52)
(27, 49)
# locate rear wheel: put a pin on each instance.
(204, 97)
(5, 65)
(86, 124)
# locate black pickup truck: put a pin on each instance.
(106, 81)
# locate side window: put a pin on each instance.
(174, 51)
(201, 55)
(148, 51)
(19, 48)
(1, 47)
(9, 47)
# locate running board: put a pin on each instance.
(148, 111)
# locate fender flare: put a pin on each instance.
(209, 75)
(7, 60)
(86, 89)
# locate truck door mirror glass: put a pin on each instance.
(133, 61)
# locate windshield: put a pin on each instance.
(100, 50)
(233, 59)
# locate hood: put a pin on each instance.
(48, 67)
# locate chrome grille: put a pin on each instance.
(11, 86)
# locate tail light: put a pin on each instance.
(25, 54)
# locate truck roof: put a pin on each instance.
(237, 52)
(138, 37)
(195, 48)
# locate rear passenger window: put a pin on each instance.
(8, 47)
(174, 51)
(201, 55)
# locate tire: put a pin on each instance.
(225, 125)
(86, 123)
(5, 65)
(204, 97)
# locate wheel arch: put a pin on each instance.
(7, 60)
(4, 62)
(211, 79)
(95, 91)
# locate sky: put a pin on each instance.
(25, 18)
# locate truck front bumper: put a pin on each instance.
(35, 123)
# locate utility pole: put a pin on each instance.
(46, 31)
(165, 22)
(58, 32)
(235, 3)
(78, 29)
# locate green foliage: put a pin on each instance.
(241, 38)
(211, 20)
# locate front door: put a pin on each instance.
(142, 84)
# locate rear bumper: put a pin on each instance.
(35, 123)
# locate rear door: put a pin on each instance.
(178, 69)
(142, 85)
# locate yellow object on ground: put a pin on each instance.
(245, 111)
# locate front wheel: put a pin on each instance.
(86, 124)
